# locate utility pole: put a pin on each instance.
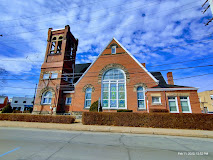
(34, 95)
(209, 6)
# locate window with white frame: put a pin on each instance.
(114, 89)
(46, 76)
(113, 50)
(173, 105)
(47, 97)
(68, 100)
(156, 100)
(88, 96)
(185, 104)
(211, 96)
(54, 75)
(141, 98)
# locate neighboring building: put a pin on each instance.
(22, 103)
(115, 77)
(10, 100)
(206, 101)
(3, 101)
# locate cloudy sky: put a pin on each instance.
(167, 35)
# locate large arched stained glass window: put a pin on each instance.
(114, 89)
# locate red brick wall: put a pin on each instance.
(137, 75)
(193, 97)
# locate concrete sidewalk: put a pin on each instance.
(112, 129)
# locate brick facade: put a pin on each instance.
(135, 73)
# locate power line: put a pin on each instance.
(130, 86)
(80, 15)
(143, 72)
(172, 47)
(102, 27)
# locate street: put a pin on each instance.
(40, 144)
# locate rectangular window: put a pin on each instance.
(54, 75)
(68, 100)
(113, 49)
(211, 96)
(24, 102)
(141, 98)
(46, 76)
(16, 102)
(185, 104)
(88, 96)
(156, 100)
(173, 105)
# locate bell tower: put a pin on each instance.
(57, 71)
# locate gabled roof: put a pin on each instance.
(126, 52)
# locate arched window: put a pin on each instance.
(88, 95)
(141, 98)
(59, 44)
(47, 97)
(114, 89)
(53, 44)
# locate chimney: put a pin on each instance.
(170, 78)
(144, 64)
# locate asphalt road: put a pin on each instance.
(38, 144)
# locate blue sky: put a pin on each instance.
(156, 32)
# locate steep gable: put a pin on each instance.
(120, 50)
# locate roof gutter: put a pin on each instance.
(172, 89)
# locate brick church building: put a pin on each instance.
(116, 77)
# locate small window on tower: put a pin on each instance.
(54, 75)
(113, 49)
(59, 44)
(46, 76)
(52, 50)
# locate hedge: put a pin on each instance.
(159, 111)
(37, 118)
(154, 120)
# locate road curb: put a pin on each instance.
(112, 129)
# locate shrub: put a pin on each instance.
(154, 120)
(37, 118)
(7, 109)
(159, 111)
(16, 111)
(94, 107)
(124, 110)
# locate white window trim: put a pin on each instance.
(109, 82)
(211, 97)
(87, 99)
(157, 102)
(42, 102)
(188, 101)
(113, 47)
(176, 106)
(46, 74)
(67, 100)
(141, 99)
(54, 77)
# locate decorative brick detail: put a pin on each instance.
(88, 86)
(110, 66)
(47, 89)
(139, 85)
